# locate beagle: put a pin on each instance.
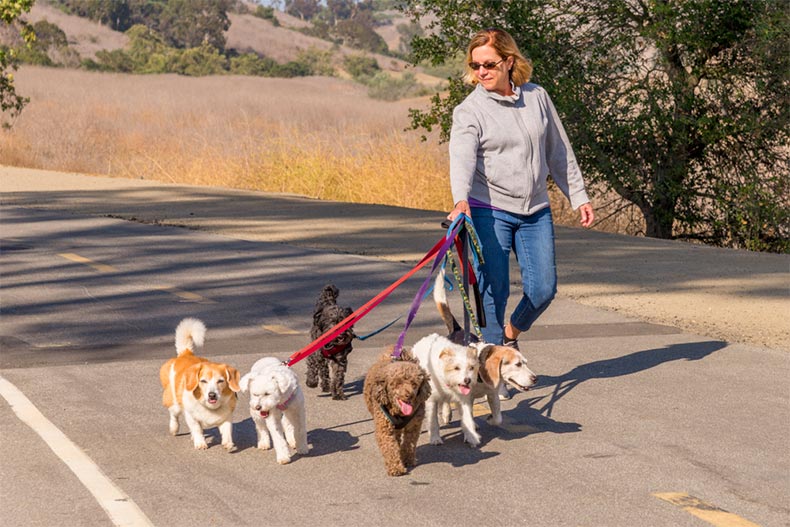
(205, 392)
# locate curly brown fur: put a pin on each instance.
(389, 384)
(330, 370)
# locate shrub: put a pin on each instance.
(388, 88)
(361, 67)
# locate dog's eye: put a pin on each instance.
(220, 381)
(203, 381)
(266, 394)
(457, 368)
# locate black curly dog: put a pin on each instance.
(330, 362)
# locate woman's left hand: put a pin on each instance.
(587, 214)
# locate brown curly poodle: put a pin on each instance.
(395, 392)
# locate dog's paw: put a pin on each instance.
(437, 441)
(340, 397)
(264, 446)
(397, 471)
(201, 445)
(496, 421)
(473, 440)
(229, 446)
(283, 460)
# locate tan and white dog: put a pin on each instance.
(453, 369)
(277, 408)
(204, 392)
(500, 366)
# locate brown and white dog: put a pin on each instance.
(500, 366)
(205, 392)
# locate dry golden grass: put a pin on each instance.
(318, 137)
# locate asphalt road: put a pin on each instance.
(631, 423)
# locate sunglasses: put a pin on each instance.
(487, 65)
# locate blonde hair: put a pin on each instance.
(505, 46)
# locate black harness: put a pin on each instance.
(398, 421)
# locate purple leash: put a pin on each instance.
(452, 233)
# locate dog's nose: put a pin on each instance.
(534, 379)
(212, 395)
(467, 380)
(258, 408)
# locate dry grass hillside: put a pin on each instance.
(247, 33)
(85, 36)
(315, 136)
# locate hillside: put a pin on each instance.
(247, 33)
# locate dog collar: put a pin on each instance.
(398, 421)
(283, 406)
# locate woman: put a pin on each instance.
(506, 139)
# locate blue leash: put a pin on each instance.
(385, 326)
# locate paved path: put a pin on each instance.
(631, 422)
(738, 296)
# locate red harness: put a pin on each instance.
(334, 350)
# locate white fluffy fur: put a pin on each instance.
(271, 385)
(190, 334)
(453, 369)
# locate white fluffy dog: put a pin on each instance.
(277, 407)
(453, 369)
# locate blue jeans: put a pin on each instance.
(532, 240)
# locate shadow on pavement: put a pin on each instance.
(616, 367)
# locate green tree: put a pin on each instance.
(679, 106)
(190, 23)
(11, 103)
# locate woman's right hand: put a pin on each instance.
(462, 207)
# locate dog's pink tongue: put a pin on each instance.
(464, 389)
(405, 408)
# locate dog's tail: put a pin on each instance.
(190, 334)
(440, 298)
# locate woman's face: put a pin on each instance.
(495, 79)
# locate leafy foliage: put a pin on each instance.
(11, 103)
(681, 107)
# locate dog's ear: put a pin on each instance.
(446, 352)
(379, 391)
(244, 383)
(284, 383)
(490, 363)
(232, 374)
(192, 378)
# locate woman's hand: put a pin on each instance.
(587, 214)
(462, 207)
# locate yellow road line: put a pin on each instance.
(480, 409)
(280, 330)
(185, 295)
(704, 511)
(102, 268)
